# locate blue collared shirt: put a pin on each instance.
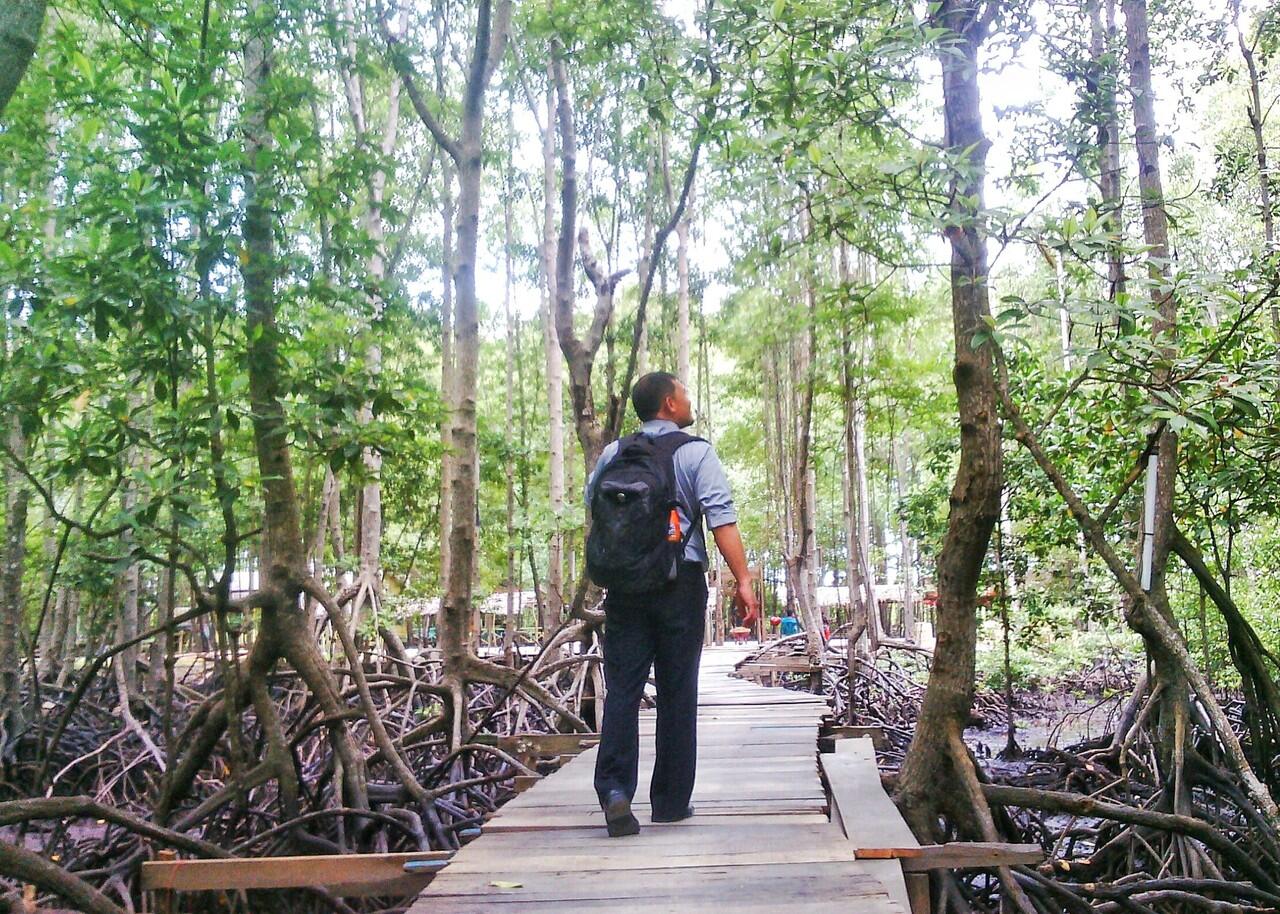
(700, 480)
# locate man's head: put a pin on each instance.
(660, 395)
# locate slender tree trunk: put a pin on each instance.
(938, 754)
(556, 601)
(682, 290)
(370, 517)
(865, 631)
(20, 24)
(646, 244)
(508, 634)
(907, 546)
(862, 516)
(455, 617)
(802, 558)
(17, 499)
(447, 372)
(1257, 120)
(127, 621)
(1174, 697)
(52, 632)
(69, 629)
(1104, 77)
(285, 631)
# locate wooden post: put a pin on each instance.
(29, 899)
(164, 901)
(759, 616)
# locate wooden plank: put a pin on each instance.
(539, 744)
(955, 855)
(831, 735)
(594, 821)
(635, 889)
(351, 871)
(865, 813)
(673, 857)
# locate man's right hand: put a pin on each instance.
(745, 598)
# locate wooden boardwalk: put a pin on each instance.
(761, 840)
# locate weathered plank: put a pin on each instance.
(345, 874)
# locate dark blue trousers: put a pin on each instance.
(663, 630)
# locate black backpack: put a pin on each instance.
(628, 549)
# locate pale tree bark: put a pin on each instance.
(447, 371)
(128, 617)
(448, 168)
(1104, 78)
(1174, 735)
(466, 149)
(682, 289)
(865, 633)
(579, 353)
(801, 554)
(20, 24)
(128, 587)
(555, 377)
(938, 754)
(646, 241)
(906, 544)
(369, 523)
(508, 240)
(17, 496)
(1257, 121)
(67, 628)
(49, 645)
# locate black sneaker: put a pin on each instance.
(618, 816)
(678, 817)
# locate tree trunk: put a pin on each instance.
(17, 499)
(20, 24)
(1257, 119)
(447, 371)
(369, 524)
(285, 630)
(907, 546)
(508, 633)
(1105, 77)
(938, 754)
(1173, 736)
(455, 617)
(556, 601)
(682, 290)
(862, 597)
(800, 561)
(128, 586)
(49, 646)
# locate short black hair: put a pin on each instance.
(651, 391)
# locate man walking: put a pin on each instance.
(649, 494)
